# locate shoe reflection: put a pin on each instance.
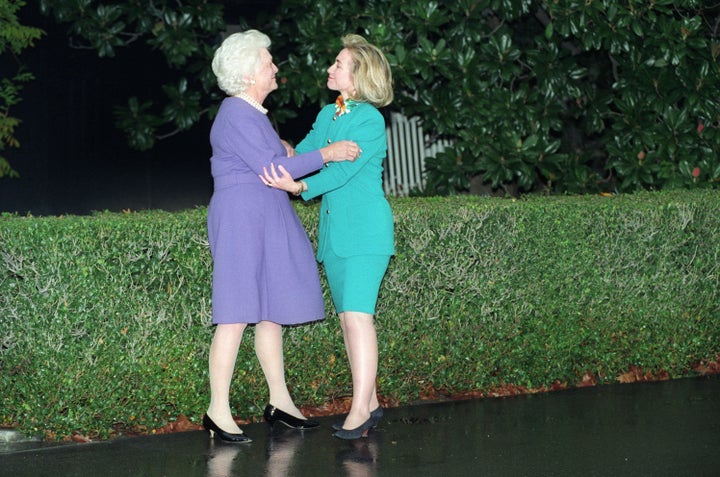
(220, 459)
(360, 460)
(281, 449)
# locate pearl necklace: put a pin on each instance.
(252, 102)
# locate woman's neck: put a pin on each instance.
(252, 101)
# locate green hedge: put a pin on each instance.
(104, 320)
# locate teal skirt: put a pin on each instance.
(355, 281)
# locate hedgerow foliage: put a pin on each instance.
(105, 320)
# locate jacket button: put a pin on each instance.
(329, 141)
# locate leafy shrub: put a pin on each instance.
(562, 96)
(105, 320)
(14, 38)
(568, 96)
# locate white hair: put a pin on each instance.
(237, 58)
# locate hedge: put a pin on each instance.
(105, 319)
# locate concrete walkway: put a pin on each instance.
(669, 428)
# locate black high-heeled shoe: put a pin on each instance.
(215, 430)
(274, 415)
(376, 415)
(358, 432)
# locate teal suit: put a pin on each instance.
(355, 217)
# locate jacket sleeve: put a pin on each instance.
(259, 146)
(369, 134)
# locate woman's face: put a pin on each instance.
(264, 77)
(340, 74)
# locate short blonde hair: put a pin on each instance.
(371, 72)
(237, 58)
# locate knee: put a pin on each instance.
(230, 329)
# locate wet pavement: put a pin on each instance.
(669, 428)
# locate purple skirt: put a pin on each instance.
(263, 263)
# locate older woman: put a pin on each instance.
(356, 224)
(264, 272)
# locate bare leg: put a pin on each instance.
(361, 344)
(269, 350)
(223, 353)
(374, 403)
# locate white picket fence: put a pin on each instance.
(408, 146)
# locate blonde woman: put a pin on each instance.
(356, 238)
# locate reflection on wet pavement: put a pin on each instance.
(361, 459)
(645, 429)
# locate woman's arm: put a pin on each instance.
(259, 145)
(369, 133)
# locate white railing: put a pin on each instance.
(407, 149)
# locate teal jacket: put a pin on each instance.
(354, 214)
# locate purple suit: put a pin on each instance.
(263, 263)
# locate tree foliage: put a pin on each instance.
(184, 33)
(554, 96)
(561, 96)
(14, 38)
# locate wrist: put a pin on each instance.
(301, 187)
(326, 154)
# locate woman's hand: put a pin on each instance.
(284, 181)
(340, 151)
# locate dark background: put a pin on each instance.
(72, 159)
